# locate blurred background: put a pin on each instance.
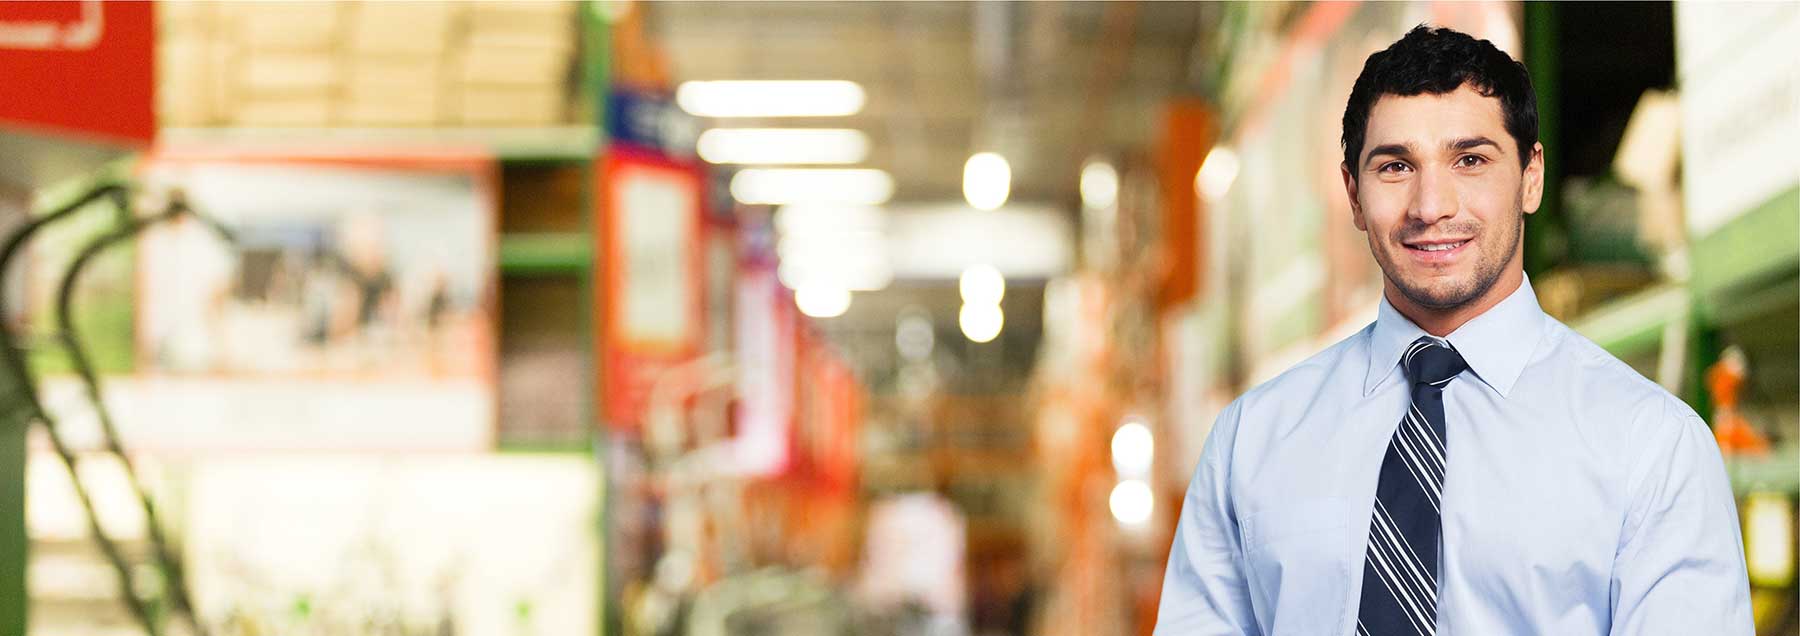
(547, 318)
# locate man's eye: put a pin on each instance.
(1471, 161)
(1393, 167)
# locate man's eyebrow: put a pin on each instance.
(1473, 142)
(1398, 150)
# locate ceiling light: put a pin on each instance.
(807, 219)
(780, 146)
(1099, 185)
(979, 322)
(744, 98)
(845, 186)
(914, 336)
(987, 180)
(852, 264)
(982, 285)
(1133, 448)
(837, 245)
(841, 245)
(1216, 173)
(1132, 502)
(822, 301)
(854, 277)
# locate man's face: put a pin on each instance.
(1439, 192)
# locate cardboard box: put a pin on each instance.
(225, 58)
(393, 91)
(400, 71)
(526, 23)
(284, 26)
(366, 105)
(186, 18)
(297, 111)
(521, 11)
(559, 39)
(288, 73)
(511, 105)
(402, 28)
(512, 65)
(184, 83)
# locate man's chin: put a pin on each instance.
(1439, 294)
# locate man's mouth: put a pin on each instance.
(1436, 245)
(1437, 252)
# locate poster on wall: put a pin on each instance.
(1740, 116)
(351, 307)
(653, 265)
(476, 546)
(1739, 124)
(765, 327)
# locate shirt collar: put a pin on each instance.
(1496, 344)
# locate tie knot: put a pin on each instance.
(1432, 361)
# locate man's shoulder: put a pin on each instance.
(1312, 374)
(1609, 381)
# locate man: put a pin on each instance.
(1465, 465)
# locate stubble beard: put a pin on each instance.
(1487, 272)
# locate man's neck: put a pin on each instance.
(1440, 322)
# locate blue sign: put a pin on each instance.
(650, 120)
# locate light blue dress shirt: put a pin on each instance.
(1579, 498)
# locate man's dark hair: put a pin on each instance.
(1438, 61)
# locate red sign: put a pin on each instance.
(83, 69)
(832, 402)
(652, 268)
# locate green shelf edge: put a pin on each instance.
(1778, 472)
(1762, 243)
(572, 143)
(559, 253)
(1635, 323)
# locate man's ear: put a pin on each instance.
(1356, 214)
(1532, 194)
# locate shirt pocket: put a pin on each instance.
(1301, 555)
(1292, 519)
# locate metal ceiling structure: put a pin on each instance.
(1044, 84)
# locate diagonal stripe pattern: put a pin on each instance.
(1400, 568)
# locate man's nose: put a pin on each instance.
(1435, 198)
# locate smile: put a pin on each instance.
(1437, 251)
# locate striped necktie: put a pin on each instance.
(1400, 569)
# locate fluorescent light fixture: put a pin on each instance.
(1133, 448)
(782, 98)
(822, 301)
(939, 241)
(844, 186)
(1132, 502)
(1099, 185)
(798, 274)
(836, 245)
(850, 262)
(980, 322)
(783, 146)
(987, 180)
(982, 285)
(844, 245)
(1216, 173)
(793, 220)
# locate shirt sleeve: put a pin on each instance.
(1680, 565)
(1204, 592)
